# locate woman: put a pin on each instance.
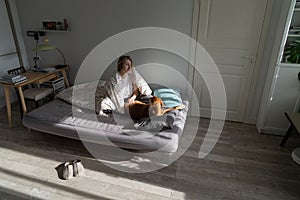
(126, 80)
(125, 85)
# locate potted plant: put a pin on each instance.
(292, 52)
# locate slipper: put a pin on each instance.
(67, 171)
(77, 168)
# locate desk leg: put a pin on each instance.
(287, 135)
(22, 100)
(65, 77)
(8, 106)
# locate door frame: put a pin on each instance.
(249, 117)
(272, 67)
(17, 32)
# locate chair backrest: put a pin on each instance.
(17, 71)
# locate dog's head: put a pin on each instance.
(156, 106)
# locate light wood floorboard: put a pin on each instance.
(242, 165)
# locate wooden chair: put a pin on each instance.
(30, 93)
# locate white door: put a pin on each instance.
(230, 31)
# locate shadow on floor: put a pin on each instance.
(221, 175)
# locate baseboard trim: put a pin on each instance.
(273, 131)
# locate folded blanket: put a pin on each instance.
(85, 95)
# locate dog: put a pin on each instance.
(155, 107)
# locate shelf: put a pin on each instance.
(60, 31)
(55, 26)
(296, 9)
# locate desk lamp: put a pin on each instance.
(36, 35)
(47, 47)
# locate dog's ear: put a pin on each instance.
(155, 99)
(152, 100)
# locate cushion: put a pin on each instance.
(37, 93)
(170, 97)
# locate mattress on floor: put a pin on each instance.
(59, 118)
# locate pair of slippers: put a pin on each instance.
(71, 169)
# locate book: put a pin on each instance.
(10, 77)
(21, 80)
(11, 82)
(13, 79)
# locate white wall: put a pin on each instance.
(7, 46)
(93, 21)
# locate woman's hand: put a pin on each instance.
(131, 99)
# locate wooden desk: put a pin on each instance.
(32, 77)
(294, 119)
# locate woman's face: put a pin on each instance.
(126, 67)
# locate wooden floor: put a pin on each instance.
(243, 165)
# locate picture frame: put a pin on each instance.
(55, 25)
(49, 25)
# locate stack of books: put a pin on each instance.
(13, 79)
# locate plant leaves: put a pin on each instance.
(292, 52)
